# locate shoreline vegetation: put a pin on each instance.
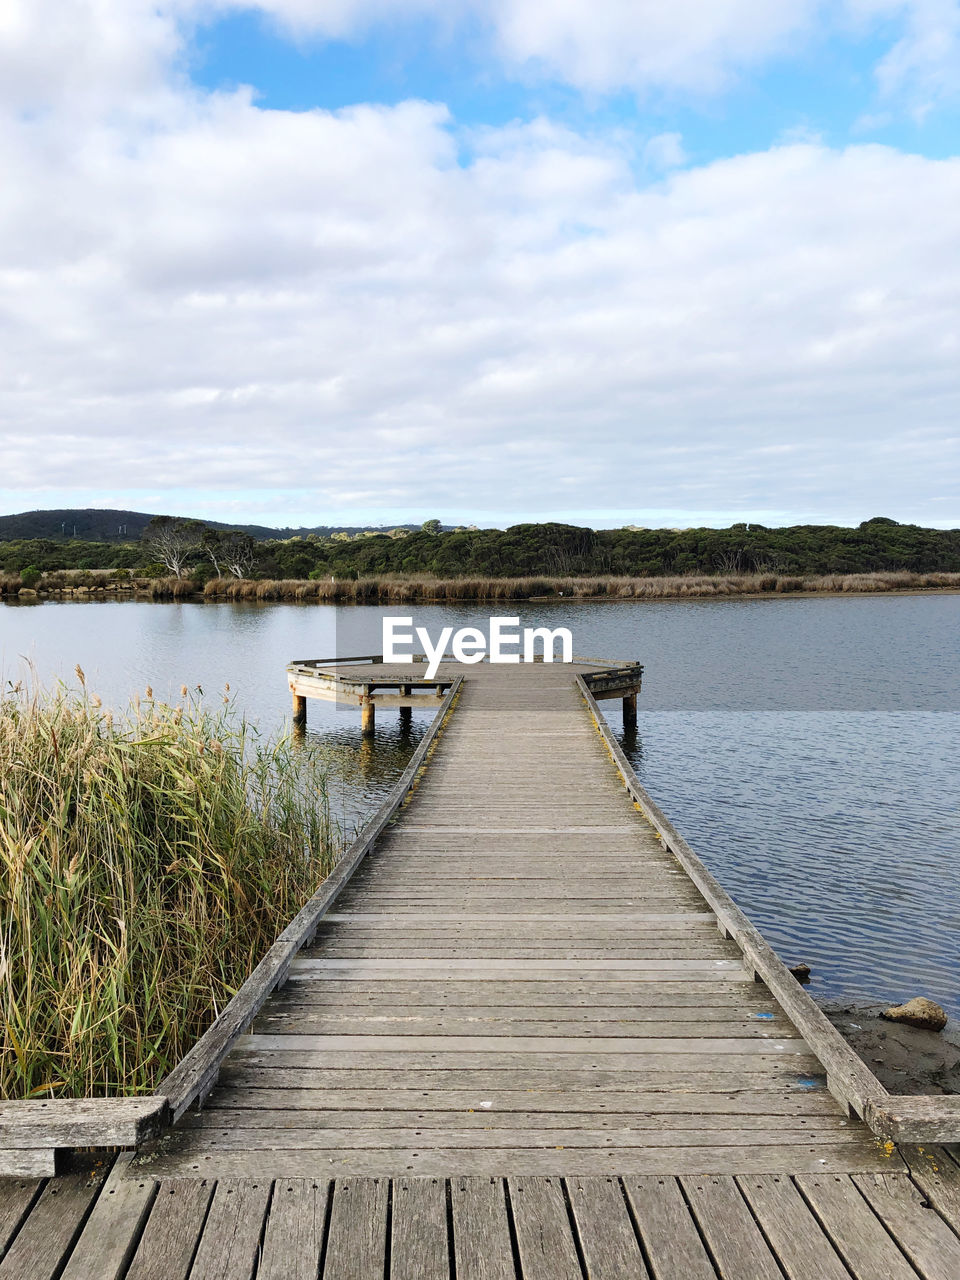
(161, 546)
(424, 588)
(148, 859)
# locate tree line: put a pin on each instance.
(180, 547)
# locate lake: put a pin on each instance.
(806, 747)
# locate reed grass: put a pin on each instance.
(147, 861)
(395, 590)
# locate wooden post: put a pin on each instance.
(406, 713)
(299, 711)
(368, 716)
(630, 711)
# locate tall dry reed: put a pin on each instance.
(146, 863)
(391, 589)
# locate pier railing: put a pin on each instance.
(927, 1119)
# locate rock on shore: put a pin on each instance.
(918, 1012)
(904, 1058)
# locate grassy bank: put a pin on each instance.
(399, 590)
(402, 589)
(147, 861)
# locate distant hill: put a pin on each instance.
(92, 524)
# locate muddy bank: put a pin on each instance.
(904, 1059)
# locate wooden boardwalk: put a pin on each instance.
(871, 1226)
(519, 1047)
(520, 981)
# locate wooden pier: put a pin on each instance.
(520, 1032)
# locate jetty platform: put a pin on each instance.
(520, 1032)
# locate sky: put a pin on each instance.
(611, 262)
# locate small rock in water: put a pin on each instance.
(918, 1012)
(801, 972)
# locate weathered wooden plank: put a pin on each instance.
(732, 1236)
(47, 1236)
(928, 1120)
(767, 1077)
(293, 1236)
(77, 1122)
(230, 1242)
(422, 1161)
(545, 1239)
(419, 1248)
(938, 1176)
(637, 943)
(528, 932)
(17, 1196)
(481, 1231)
(742, 1046)
(717, 971)
(919, 1231)
(251, 1094)
(550, 896)
(598, 1013)
(565, 991)
(172, 1233)
(600, 894)
(855, 1230)
(221, 1120)
(112, 1231)
(28, 1162)
(257, 1139)
(497, 830)
(643, 1005)
(669, 1234)
(518, 953)
(796, 1237)
(504, 878)
(314, 1024)
(655, 1059)
(357, 1235)
(608, 1241)
(452, 866)
(658, 922)
(532, 943)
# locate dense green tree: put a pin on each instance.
(553, 549)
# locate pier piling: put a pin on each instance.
(299, 711)
(368, 716)
(630, 711)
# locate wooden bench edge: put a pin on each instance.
(57, 1123)
(921, 1119)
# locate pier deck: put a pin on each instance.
(519, 979)
(518, 1046)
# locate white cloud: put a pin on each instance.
(925, 63)
(90, 54)
(198, 292)
(640, 45)
(636, 44)
(93, 50)
(645, 43)
(665, 151)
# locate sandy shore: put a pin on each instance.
(904, 1059)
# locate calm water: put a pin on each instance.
(807, 748)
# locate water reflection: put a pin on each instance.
(362, 769)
